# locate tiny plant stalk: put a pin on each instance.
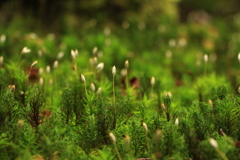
(99, 91)
(152, 85)
(32, 65)
(116, 150)
(1, 61)
(74, 56)
(114, 96)
(113, 139)
(146, 133)
(127, 142)
(158, 135)
(214, 144)
(126, 81)
(55, 66)
(41, 83)
(114, 100)
(222, 155)
(24, 51)
(205, 65)
(126, 78)
(167, 103)
(84, 83)
(160, 110)
(99, 68)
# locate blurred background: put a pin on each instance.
(173, 34)
(61, 16)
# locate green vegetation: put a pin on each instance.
(162, 90)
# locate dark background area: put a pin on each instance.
(56, 16)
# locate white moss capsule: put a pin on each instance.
(127, 140)
(239, 57)
(163, 106)
(145, 127)
(100, 67)
(158, 133)
(172, 42)
(112, 137)
(25, 50)
(92, 87)
(221, 132)
(21, 93)
(152, 81)
(114, 70)
(34, 63)
(12, 88)
(40, 53)
(3, 38)
(100, 54)
(182, 42)
(205, 58)
(168, 94)
(55, 64)
(83, 78)
(124, 72)
(126, 64)
(74, 53)
(20, 123)
(95, 60)
(94, 51)
(40, 71)
(213, 142)
(41, 81)
(48, 69)
(107, 31)
(91, 62)
(60, 55)
(1, 60)
(210, 103)
(168, 53)
(177, 121)
(99, 91)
